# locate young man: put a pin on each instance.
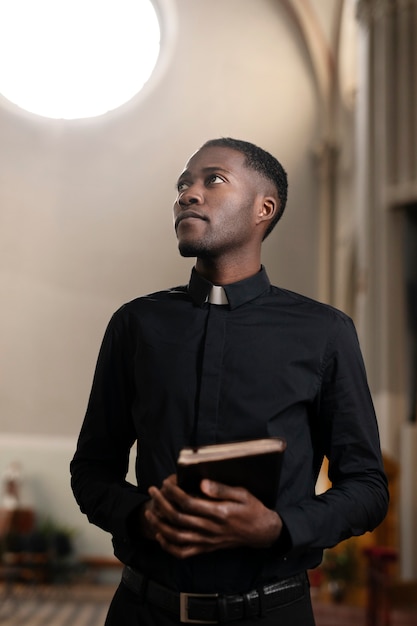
(227, 357)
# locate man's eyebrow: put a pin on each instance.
(206, 170)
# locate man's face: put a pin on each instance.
(218, 196)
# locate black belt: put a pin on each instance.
(215, 608)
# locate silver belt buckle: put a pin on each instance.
(184, 607)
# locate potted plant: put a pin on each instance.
(339, 567)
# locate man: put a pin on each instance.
(227, 357)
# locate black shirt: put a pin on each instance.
(175, 371)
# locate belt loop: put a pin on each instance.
(262, 602)
(222, 606)
(247, 607)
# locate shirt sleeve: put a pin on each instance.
(346, 430)
(100, 463)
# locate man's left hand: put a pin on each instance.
(227, 517)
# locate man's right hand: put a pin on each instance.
(227, 517)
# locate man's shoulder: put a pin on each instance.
(147, 308)
(153, 300)
(173, 293)
(303, 303)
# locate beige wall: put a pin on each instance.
(86, 206)
(85, 210)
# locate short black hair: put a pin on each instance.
(262, 162)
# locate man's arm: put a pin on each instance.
(345, 427)
(100, 464)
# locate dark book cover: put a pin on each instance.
(254, 464)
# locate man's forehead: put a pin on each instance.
(215, 156)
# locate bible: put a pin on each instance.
(254, 464)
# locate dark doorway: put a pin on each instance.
(410, 271)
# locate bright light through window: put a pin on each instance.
(76, 58)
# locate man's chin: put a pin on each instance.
(191, 250)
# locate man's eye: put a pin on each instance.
(215, 179)
(182, 186)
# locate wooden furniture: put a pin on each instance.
(385, 590)
(17, 563)
(95, 566)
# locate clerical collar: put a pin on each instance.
(237, 293)
(217, 295)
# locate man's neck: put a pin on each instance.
(225, 273)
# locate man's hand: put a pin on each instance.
(229, 517)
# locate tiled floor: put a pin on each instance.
(54, 607)
(87, 606)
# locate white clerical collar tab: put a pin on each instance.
(217, 295)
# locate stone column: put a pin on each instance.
(387, 181)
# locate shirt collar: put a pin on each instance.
(237, 293)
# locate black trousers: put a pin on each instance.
(127, 609)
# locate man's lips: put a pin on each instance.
(188, 215)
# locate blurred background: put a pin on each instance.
(329, 87)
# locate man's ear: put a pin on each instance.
(267, 209)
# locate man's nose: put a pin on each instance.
(190, 196)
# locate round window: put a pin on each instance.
(76, 58)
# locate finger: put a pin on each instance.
(160, 502)
(185, 550)
(172, 491)
(171, 479)
(163, 509)
(219, 491)
(166, 488)
(180, 552)
(184, 544)
(181, 536)
(183, 502)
